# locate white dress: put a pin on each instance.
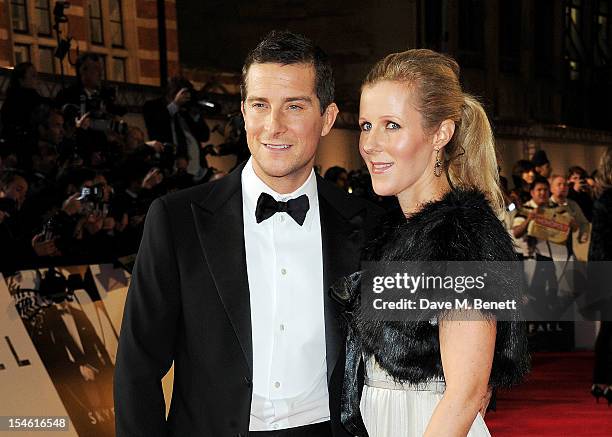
(390, 409)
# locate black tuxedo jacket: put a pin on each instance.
(189, 302)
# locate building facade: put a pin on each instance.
(123, 32)
(543, 68)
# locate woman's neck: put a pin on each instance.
(413, 198)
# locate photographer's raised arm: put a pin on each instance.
(148, 330)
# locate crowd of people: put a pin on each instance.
(76, 180)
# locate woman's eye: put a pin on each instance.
(365, 126)
(392, 125)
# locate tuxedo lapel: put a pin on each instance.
(341, 238)
(220, 230)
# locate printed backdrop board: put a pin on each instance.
(65, 322)
(27, 389)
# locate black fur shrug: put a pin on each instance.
(459, 227)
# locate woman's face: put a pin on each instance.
(393, 145)
(528, 176)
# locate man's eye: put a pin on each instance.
(392, 125)
(295, 107)
(258, 105)
(365, 126)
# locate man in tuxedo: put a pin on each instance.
(231, 279)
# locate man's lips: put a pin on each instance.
(380, 167)
(276, 146)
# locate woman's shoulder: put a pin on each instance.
(460, 226)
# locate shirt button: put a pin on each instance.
(277, 384)
(283, 271)
(282, 218)
(275, 426)
(282, 327)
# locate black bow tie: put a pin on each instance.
(296, 208)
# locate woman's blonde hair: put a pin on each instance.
(434, 77)
(603, 178)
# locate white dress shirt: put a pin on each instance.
(285, 271)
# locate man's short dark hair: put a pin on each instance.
(287, 48)
(539, 180)
(8, 176)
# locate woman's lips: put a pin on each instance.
(381, 167)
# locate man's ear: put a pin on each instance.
(242, 111)
(444, 134)
(329, 118)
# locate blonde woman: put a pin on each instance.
(429, 144)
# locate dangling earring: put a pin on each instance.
(438, 165)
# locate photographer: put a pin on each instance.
(82, 227)
(93, 106)
(17, 247)
(580, 191)
(129, 207)
(177, 119)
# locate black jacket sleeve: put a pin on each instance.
(147, 339)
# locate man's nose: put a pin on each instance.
(275, 122)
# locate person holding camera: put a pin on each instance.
(580, 190)
(176, 119)
(92, 107)
(18, 248)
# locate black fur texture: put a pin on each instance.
(459, 227)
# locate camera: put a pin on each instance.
(202, 103)
(101, 119)
(92, 199)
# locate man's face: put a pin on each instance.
(17, 190)
(559, 188)
(55, 129)
(283, 122)
(539, 194)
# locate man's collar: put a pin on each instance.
(253, 186)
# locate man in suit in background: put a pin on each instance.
(174, 119)
(231, 279)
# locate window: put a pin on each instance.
(471, 33)
(95, 22)
(19, 16)
(574, 47)
(44, 17)
(510, 36)
(118, 73)
(22, 53)
(45, 58)
(116, 23)
(602, 51)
